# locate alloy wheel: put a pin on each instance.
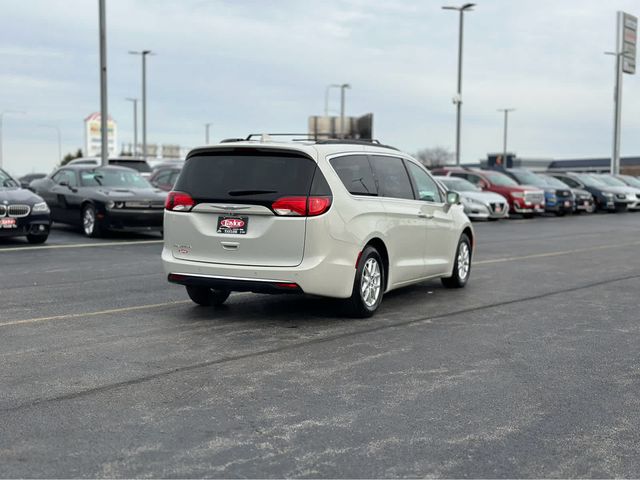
(464, 260)
(370, 284)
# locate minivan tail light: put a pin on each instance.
(301, 206)
(179, 202)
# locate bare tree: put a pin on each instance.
(434, 157)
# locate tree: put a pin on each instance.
(434, 157)
(70, 156)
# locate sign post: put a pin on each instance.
(626, 39)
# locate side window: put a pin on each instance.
(67, 177)
(426, 188)
(59, 177)
(355, 173)
(163, 178)
(392, 177)
(173, 178)
(475, 179)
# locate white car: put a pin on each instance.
(478, 204)
(342, 219)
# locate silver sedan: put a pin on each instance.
(478, 204)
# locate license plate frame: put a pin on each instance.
(8, 222)
(232, 225)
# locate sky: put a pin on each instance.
(248, 66)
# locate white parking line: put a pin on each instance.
(93, 314)
(80, 245)
(556, 254)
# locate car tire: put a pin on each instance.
(207, 297)
(89, 222)
(461, 266)
(527, 215)
(368, 286)
(36, 239)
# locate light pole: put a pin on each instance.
(2, 114)
(504, 143)
(343, 87)
(617, 113)
(104, 112)
(143, 54)
(458, 100)
(57, 129)
(135, 125)
(326, 97)
(206, 133)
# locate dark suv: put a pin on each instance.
(556, 200)
(604, 197)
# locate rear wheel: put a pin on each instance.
(462, 265)
(206, 296)
(35, 239)
(368, 286)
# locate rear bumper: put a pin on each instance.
(234, 284)
(328, 276)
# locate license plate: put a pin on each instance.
(586, 203)
(567, 203)
(498, 208)
(7, 223)
(233, 225)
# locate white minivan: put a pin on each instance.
(337, 218)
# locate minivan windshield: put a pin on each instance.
(246, 175)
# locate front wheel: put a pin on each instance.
(462, 265)
(90, 225)
(207, 297)
(368, 286)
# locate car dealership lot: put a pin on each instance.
(532, 370)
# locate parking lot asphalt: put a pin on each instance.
(533, 370)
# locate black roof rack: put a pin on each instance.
(313, 138)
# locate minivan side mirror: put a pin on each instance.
(453, 198)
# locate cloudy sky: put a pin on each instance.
(262, 65)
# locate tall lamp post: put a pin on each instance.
(504, 140)
(104, 112)
(57, 129)
(135, 125)
(343, 87)
(467, 7)
(206, 133)
(143, 54)
(2, 114)
(617, 113)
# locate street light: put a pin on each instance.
(504, 144)
(2, 114)
(343, 87)
(57, 129)
(326, 97)
(467, 7)
(104, 109)
(143, 54)
(135, 125)
(206, 133)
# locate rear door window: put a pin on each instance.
(356, 174)
(257, 176)
(392, 176)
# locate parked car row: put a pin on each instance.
(527, 193)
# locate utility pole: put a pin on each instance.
(326, 97)
(143, 54)
(458, 98)
(135, 125)
(104, 114)
(343, 87)
(206, 133)
(504, 141)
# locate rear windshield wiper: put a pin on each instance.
(239, 193)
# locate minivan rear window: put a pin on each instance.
(246, 176)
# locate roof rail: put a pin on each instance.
(348, 141)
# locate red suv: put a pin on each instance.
(523, 199)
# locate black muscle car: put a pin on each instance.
(22, 212)
(102, 198)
